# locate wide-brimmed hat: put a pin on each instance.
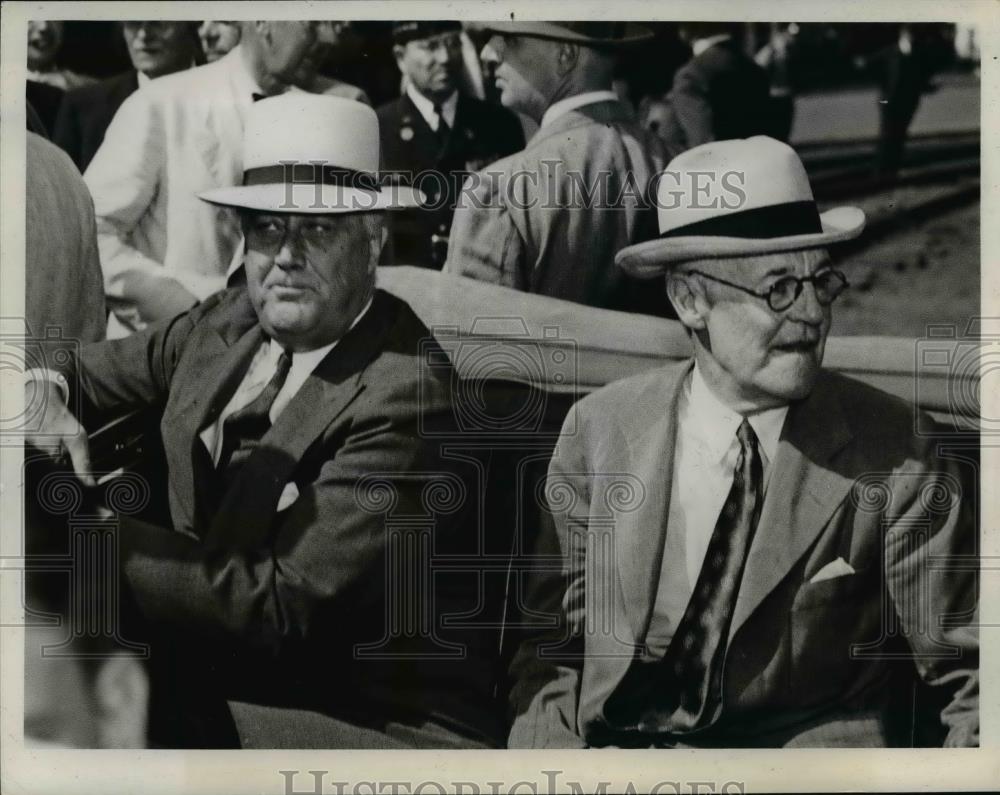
(596, 34)
(730, 198)
(313, 154)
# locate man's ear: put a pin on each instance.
(398, 50)
(567, 57)
(121, 693)
(687, 294)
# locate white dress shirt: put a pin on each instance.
(564, 106)
(262, 368)
(448, 108)
(172, 138)
(705, 453)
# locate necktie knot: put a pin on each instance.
(746, 436)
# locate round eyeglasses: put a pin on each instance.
(828, 283)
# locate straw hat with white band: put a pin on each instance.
(312, 154)
(731, 198)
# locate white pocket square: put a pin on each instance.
(289, 494)
(835, 568)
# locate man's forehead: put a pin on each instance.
(762, 264)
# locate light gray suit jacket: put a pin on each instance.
(549, 219)
(807, 663)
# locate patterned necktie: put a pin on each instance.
(244, 428)
(694, 658)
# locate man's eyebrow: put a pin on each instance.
(780, 271)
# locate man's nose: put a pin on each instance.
(807, 307)
(490, 53)
(290, 253)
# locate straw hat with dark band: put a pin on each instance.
(732, 198)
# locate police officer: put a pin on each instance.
(433, 135)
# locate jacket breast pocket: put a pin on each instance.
(826, 621)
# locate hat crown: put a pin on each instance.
(725, 177)
(300, 127)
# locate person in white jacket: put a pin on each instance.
(162, 250)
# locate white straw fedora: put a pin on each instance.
(731, 198)
(310, 153)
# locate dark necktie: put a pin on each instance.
(244, 428)
(443, 129)
(694, 658)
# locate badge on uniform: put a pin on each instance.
(406, 133)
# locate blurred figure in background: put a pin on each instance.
(550, 218)
(777, 59)
(163, 250)
(155, 48)
(217, 38)
(63, 285)
(435, 130)
(721, 93)
(904, 70)
(44, 42)
(308, 76)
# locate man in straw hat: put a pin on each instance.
(550, 218)
(753, 534)
(293, 419)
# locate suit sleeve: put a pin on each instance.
(931, 574)
(125, 177)
(692, 107)
(485, 242)
(113, 377)
(547, 667)
(323, 557)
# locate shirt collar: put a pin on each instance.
(716, 424)
(700, 45)
(564, 106)
(144, 79)
(426, 107)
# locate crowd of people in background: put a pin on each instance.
(153, 196)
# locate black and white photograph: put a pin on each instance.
(446, 377)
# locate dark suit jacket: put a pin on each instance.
(315, 605)
(482, 134)
(807, 663)
(45, 101)
(86, 113)
(720, 94)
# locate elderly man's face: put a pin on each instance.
(159, 47)
(525, 72)
(218, 37)
(310, 275)
(44, 40)
(431, 64)
(760, 357)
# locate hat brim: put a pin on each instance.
(554, 32)
(309, 199)
(654, 257)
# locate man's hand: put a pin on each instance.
(58, 430)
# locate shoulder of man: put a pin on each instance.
(882, 421)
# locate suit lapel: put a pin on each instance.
(640, 536)
(248, 507)
(802, 494)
